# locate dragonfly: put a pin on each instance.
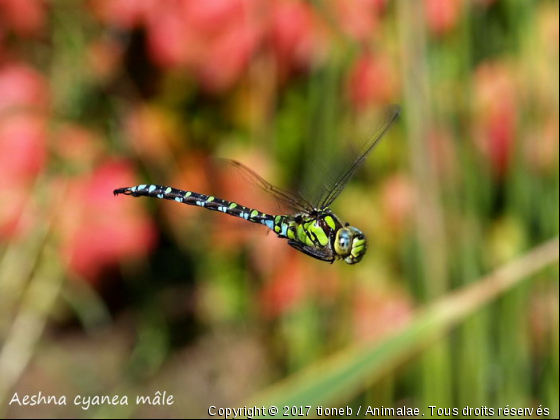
(311, 227)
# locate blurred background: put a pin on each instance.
(103, 295)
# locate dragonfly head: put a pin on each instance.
(350, 244)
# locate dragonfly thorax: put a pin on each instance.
(321, 234)
(350, 244)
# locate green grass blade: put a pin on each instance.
(341, 376)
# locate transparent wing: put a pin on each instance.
(332, 180)
(292, 201)
(329, 180)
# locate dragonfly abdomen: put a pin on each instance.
(201, 200)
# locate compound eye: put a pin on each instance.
(344, 241)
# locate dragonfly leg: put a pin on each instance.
(312, 252)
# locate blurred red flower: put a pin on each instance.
(296, 34)
(371, 80)
(286, 288)
(213, 39)
(442, 15)
(24, 101)
(171, 41)
(24, 17)
(495, 113)
(22, 87)
(23, 155)
(22, 148)
(97, 229)
(227, 58)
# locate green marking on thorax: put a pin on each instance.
(330, 222)
(320, 233)
(302, 236)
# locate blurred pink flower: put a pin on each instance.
(357, 18)
(171, 41)
(24, 17)
(372, 79)
(23, 155)
(213, 39)
(22, 147)
(97, 229)
(23, 144)
(213, 16)
(22, 87)
(495, 113)
(285, 289)
(296, 35)
(378, 311)
(227, 59)
(442, 15)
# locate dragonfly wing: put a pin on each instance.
(326, 189)
(292, 200)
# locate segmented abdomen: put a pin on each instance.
(201, 200)
(311, 231)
